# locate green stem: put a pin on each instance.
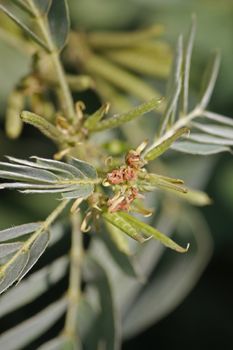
(74, 291)
(67, 101)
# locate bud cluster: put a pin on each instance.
(124, 176)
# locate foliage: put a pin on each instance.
(105, 184)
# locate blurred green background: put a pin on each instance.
(205, 318)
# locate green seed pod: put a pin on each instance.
(14, 124)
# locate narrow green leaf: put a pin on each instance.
(42, 5)
(93, 119)
(120, 119)
(10, 274)
(59, 22)
(209, 80)
(186, 65)
(174, 87)
(28, 31)
(18, 231)
(42, 124)
(214, 129)
(124, 225)
(36, 250)
(8, 248)
(21, 335)
(218, 118)
(157, 149)
(214, 140)
(152, 232)
(152, 181)
(203, 149)
(33, 286)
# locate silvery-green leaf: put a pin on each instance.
(8, 248)
(88, 170)
(27, 30)
(33, 286)
(205, 138)
(83, 192)
(107, 325)
(21, 172)
(10, 273)
(209, 80)
(21, 335)
(214, 129)
(48, 164)
(42, 5)
(198, 148)
(86, 318)
(59, 22)
(18, 231)
(36, 250)
(173, 281)
(218, 118)
(186, 65)
(73, 180)
(124, 261)
(174, 85)
(59, 343)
